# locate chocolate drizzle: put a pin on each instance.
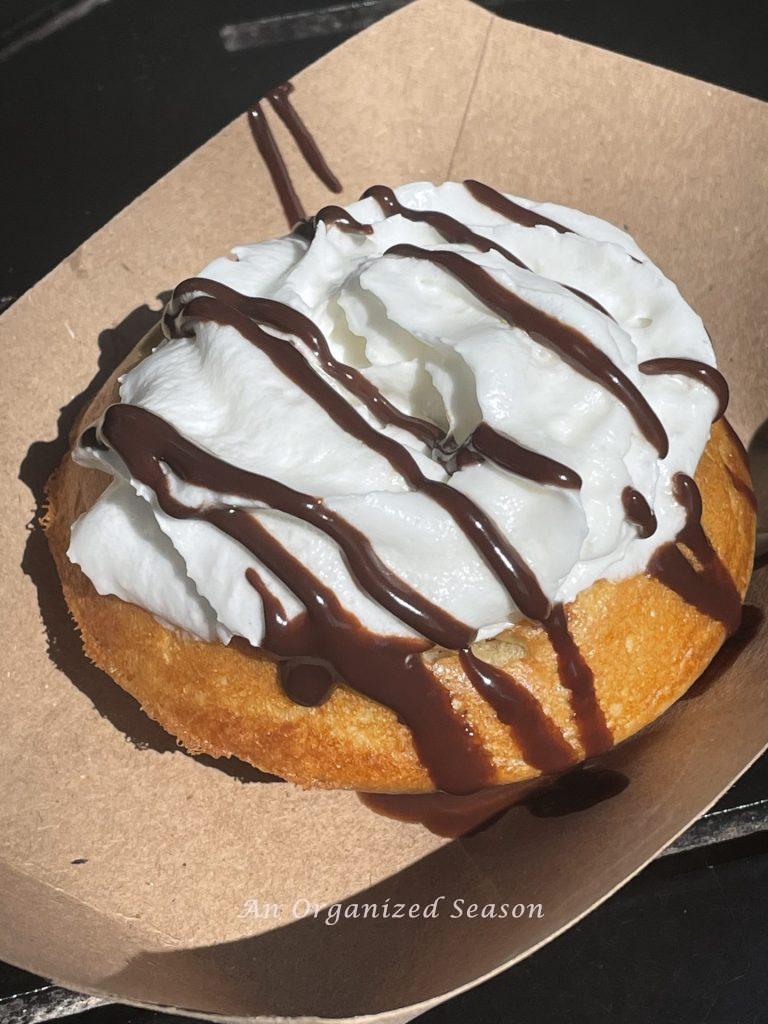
(338, 217)
(506, 564)
(576, 675)
(570, 344)
(278, 171)
(702, 372)
(90, 439)
(639, 512)
(542, 744)
(290, 321)
(456, 233)
(515, 212)
(509, 209)
(707, 586)
(387, 669)
(279, 99)
(326, 642)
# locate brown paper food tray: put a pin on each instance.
(127, 864)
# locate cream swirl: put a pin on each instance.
(435, 351)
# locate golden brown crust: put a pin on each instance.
(643, 643)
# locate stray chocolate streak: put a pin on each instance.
(702, 372)
(272, 157)
(281, 104)
(709, 587)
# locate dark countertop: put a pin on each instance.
(94, 109)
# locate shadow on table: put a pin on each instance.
(64, 646)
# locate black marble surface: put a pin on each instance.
(97, 100)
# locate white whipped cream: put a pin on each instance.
(438, 353)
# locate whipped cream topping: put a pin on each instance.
(435, 351)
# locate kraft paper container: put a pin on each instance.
(127, 866)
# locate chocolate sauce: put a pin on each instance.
(576, 675)
(509, 209)
(338, 217)
(513, 211)
(281, 103)
(508, 454)
(638, 511)
(445, 814)
(541, 743)
(709, 587)
(454, 817)
(577, 790)
(456, 233)
(384, 668)
(570, 344)
(702, 372)
(278, 172)
(306, 682)
(506, 564)
(374, 577)
(290, 321)
(452, 230)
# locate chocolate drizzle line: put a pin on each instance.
(509, 209)
(570, 344)
(576, 675)
(337, 217)
(90, 439)
(279, 99)
(702, 372)
(272, 157)
(708, 587)
(504, 452)
(542, 744)
(639, 512)
(456, 233)
(513, 211)
(281, 104)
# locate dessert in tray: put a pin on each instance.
(435, 492)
